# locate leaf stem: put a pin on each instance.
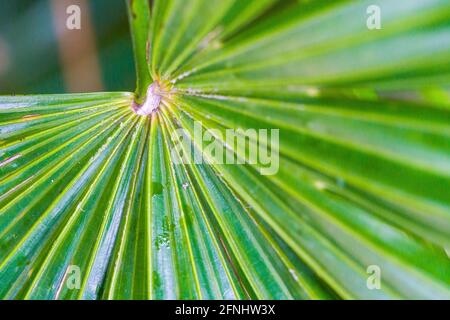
(139, 17)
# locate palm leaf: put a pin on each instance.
(363, 173)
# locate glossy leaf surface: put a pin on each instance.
(89, 188)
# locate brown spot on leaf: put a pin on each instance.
(31, 116)
(147, 51)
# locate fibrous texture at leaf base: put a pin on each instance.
(88, 186)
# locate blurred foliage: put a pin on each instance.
(27, 26)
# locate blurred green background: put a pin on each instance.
(39, 56)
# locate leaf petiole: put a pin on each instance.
(139, 16)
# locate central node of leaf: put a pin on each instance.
(151, 102)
